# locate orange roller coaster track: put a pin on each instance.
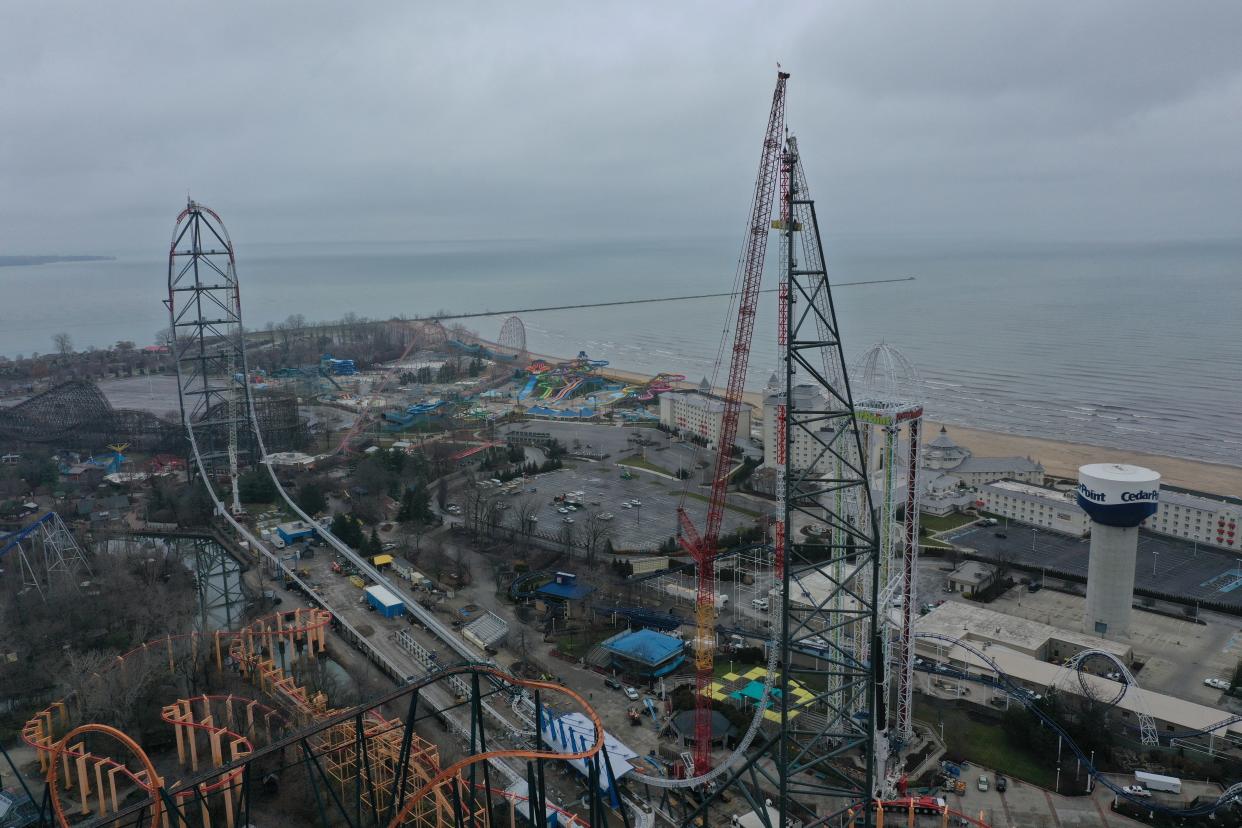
(216, 738)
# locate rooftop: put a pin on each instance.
(565, 591)
(997, 464)
(972, 572)
(1031, 490)
(645, 646)
(961, 620)
(487, 630)
(1197, 500)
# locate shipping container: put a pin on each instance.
(384, 602)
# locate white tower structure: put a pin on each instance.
(1117, 497)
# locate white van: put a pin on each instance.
(760, 604)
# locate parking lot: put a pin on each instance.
(604, 491)
(1177, 568)
(645, 525)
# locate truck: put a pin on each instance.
(1156, 782)
(384, 602)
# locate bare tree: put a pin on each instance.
(458, 556)
(527, 505)
(595, 532)
(567, 536)
(63, 343)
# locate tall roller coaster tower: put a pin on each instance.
(204, 305)
(822, 760)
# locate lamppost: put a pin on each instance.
(1155, 556)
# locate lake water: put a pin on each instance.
(1135, 347)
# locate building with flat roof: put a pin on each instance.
(1197, 516)
(981, 625)
(1053, 509)
(699, 412)
(295, 530)
(1030, 654)
(805, 449)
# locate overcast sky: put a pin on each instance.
(308, 121)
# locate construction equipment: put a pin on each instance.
(702, 546)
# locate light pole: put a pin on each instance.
(1155, 556)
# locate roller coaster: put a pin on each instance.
(357, 754)
(1077, 666)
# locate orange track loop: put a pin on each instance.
(452, 770)
(287, 625)
(134, 747)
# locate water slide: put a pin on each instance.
(568, 389)
(530, 386)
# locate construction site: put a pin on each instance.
(742, 657)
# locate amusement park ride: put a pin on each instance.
(825, 764)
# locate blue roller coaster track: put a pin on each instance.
(1015, 691)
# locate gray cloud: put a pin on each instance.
(396, 120)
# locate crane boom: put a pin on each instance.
(702, 547)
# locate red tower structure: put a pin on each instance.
(702, 546)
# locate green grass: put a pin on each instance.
(580, 643)
(985, 744)
(640, 463)
(729, 506)
(937, 523)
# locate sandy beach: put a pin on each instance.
(1063, 459)
(1058, 457)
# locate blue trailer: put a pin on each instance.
(384, 602)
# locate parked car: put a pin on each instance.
(613, 683)
(1136, 790)
(983, 783)
(1000, 535)
(631, 694)
(1216, 683)
(1002, 784)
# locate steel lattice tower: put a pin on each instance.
(810, 761)
(208, 350)
(47, 554)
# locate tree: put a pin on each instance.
(347, 528)
(256, 486)
(311, 498)
(527, 506)
(63, 343)
(595, 533)
(442, 492)
(374, 547)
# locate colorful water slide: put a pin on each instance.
(568, 389)
(525, 392)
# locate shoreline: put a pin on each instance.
(1060, 458)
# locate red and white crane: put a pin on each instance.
(702, 547)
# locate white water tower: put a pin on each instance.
(1117, 497)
